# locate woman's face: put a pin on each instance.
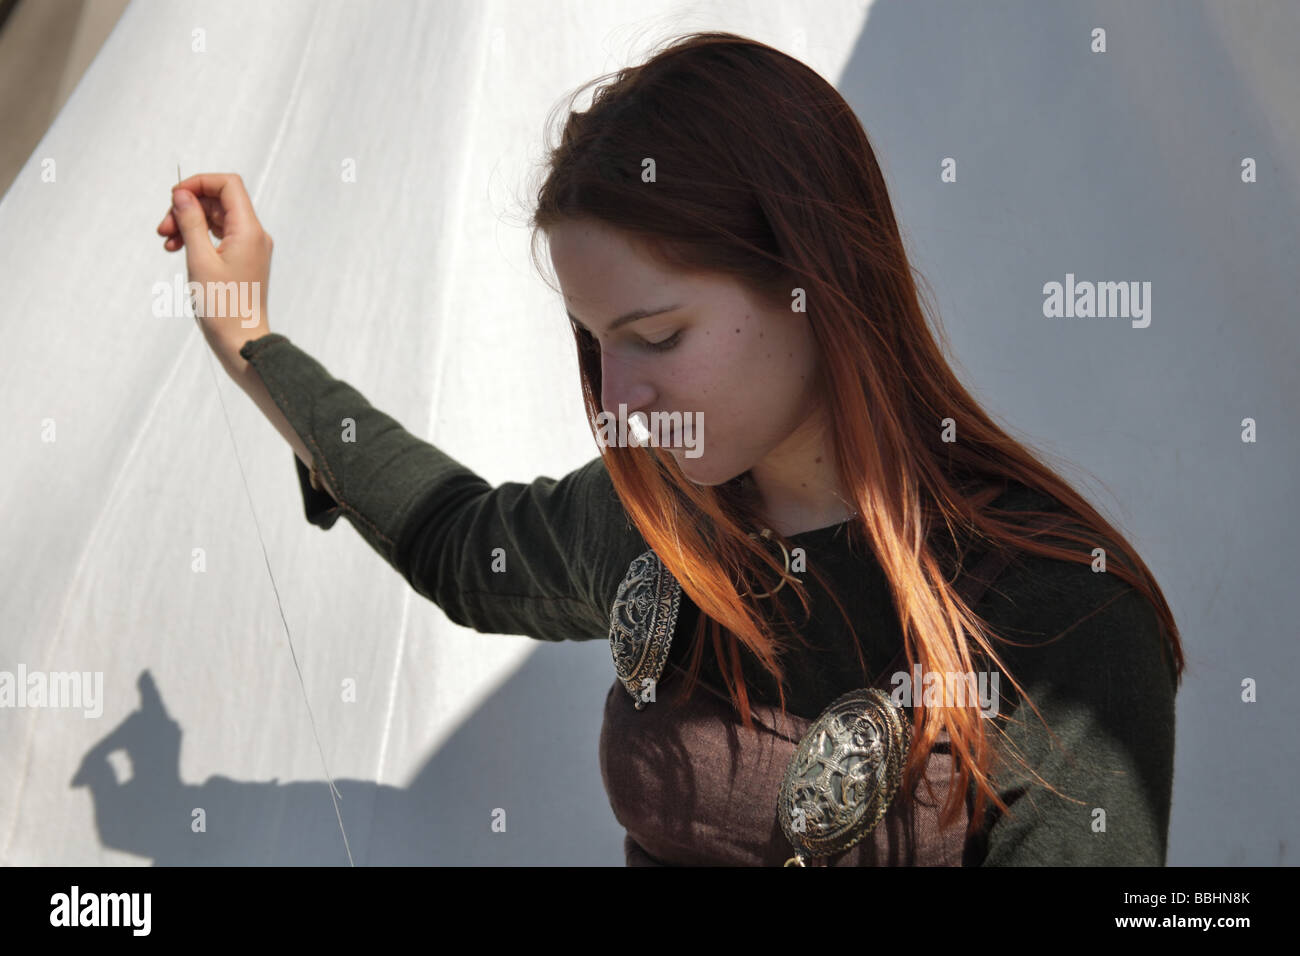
(742, 369)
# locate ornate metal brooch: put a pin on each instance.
(843, 775)
(641, 625)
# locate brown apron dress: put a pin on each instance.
(693, 787)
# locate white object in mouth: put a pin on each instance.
(636, 424)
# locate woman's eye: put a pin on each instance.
(664, 345)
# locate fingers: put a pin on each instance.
(194, 227)
(216, 217)
(225, 205)
(230, 195)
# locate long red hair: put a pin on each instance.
(765, 174)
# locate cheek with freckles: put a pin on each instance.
(731, 387)
(772, 359)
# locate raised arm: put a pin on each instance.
(542, 558)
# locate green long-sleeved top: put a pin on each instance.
(1103, 688)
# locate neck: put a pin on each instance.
(797, 484)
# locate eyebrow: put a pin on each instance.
(623, 320)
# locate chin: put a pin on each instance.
(702, 470)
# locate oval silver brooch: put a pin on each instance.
(642, 620)
(844, 774)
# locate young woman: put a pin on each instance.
(853, 621)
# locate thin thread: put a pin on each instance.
(335, 796)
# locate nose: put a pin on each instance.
(622, 383)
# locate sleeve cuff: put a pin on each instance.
(320, 508)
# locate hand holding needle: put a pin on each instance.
(237, 271)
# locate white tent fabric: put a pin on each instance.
(413, 284)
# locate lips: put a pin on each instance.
(666, 429)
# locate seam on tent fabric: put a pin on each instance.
(439, 376)
(289, 107)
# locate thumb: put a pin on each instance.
(193, 225)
